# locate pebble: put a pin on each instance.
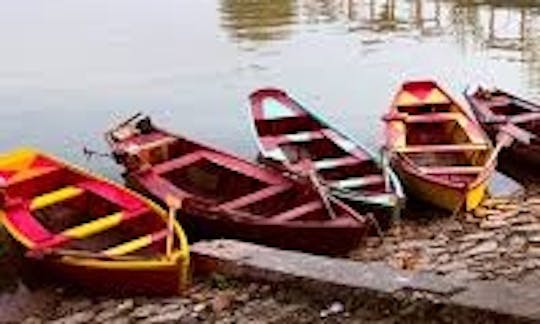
(534, 251)
(80, 317)
(517, 243)
(485, 247)
(482, 212)
(477, 236)
(452, 266)
(145, 310)
(493, 224)
(535, 227)
(199, 307)
(166, 318)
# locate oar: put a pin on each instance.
(321, 190)
(174, 203)
(60, 252)
(508, 133)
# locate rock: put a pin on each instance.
(243, 297)
(508, 207)
(517, 243)
(532, 201)
(527, 228)
(504, 215)
(482, 212)
(145, 310)
(333, 309)
(477, 236)
(221, 301)
(534, 251)
(80, 317)
(470, 218)
(32, 320)
(166, 318)
(485, 247)
(534, 239)
(121, 320)
(199, 307)
(522, 219)
(452, 266)
(493, 224)
(443, 258)
(463, 275)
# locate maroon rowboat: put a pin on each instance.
(495, 108)
(226, 196)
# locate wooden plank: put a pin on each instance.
(332, 163)
(136, 244)
(178, 163)
(358, 181)
(452, 170)
(299, 137)
(433, 117)
(255, 197)
(442, 148)
(297, 212)
(55, 197)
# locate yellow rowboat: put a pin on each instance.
(441, 155)
(88, 231)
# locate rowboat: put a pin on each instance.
(440, 153)
(227, 196)
(494, 108)
(88, 231)
(295, 140)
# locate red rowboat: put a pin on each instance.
(295, 140)
(93, 233)
(440, 153)
(495, 108)
(227, 196)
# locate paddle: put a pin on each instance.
(174, 203)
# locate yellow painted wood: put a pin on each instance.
(436, 97)
(475, 196)
(130, 246)
(55, 197)
(93, 227)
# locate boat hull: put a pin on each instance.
(518, 154)
(161, 280)
(437, 194)
(315, 237)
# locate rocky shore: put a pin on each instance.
(499, 240)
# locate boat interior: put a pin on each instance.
(229, 184)
(302, 137)
(438, 142)
(56, 207)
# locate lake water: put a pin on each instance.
(69, 69)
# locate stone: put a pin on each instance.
(199, 307)
(484, 235)
(522, 219)
(482, 212)
(504, 215)
(79, 317)
(517, 243)
(32, 320)
(443, 258)
(484, 247)
(145, 310)
(221, 301)
(493, 224)
(470, 218)
(534, 251)
(532, 201)
(452, 266)
(527, 228)
(534, 239)
(166, 318)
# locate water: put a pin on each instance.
(69, 69)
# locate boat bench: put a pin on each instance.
(443, 148)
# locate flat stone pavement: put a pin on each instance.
(496, 300)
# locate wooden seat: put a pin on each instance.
(136, 244)
(299, 137)
(443, 148)
(433, 117)
(179, 162)
(358, 182)
(332, 163)
(55, 197)
(255, 197)
(452, 170)
(297, 212)
(157, 143)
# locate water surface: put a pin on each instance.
(68, 69)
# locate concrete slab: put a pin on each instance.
(254, 262)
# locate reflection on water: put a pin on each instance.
(508, 30)
(258, 20)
